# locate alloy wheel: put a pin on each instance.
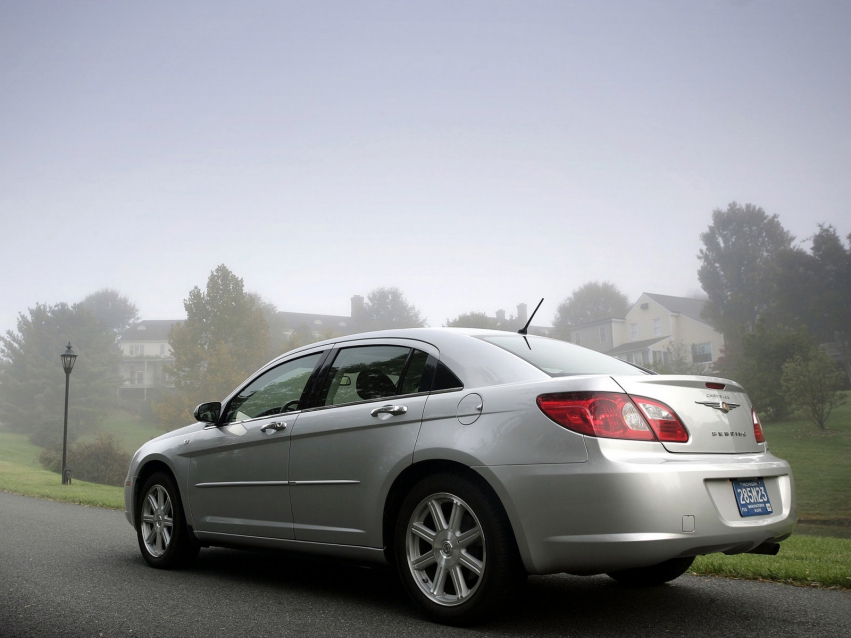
(157, 521)
(445, 548)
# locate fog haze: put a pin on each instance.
(474, 154)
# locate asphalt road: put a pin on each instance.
(68, 570)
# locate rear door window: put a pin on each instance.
(364, 373)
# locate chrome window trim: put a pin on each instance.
(279, 415)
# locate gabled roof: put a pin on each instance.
(685, 306)
(149, 330)
(635, 346)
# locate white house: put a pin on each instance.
(652, 326)
(145, 351)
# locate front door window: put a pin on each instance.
(278, 390)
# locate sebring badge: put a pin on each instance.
(722, 405)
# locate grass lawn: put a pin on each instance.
(31, 480)
(130, 430)
(821, 464)
(21, 473)
(813, 561)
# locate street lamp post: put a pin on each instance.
(68, 358)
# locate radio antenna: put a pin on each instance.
(525, 329)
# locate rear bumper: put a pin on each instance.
(633, 504)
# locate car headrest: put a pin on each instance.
(374, 384)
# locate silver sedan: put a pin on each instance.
(468, 459)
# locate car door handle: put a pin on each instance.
(395, 410)
(274, 425)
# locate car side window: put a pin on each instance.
(364, 373)
(278, 390)
(415, 378)
(445, 379)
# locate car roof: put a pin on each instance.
(476, 362)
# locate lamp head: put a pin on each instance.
(68, 358)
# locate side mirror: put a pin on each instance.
(208, 412)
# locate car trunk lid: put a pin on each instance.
(718, 419)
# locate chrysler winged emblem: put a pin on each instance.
(723, 406)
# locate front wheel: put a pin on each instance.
(161, 530)
(655, 574)
(455, 551)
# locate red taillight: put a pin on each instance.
(604, 414)
(757, 428)
(715, 386)
(665, 423)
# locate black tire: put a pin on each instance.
(164, 539)
(655, 574)
(474, 534)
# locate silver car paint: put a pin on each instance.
(625, 507)
(238, 478)
(577, 504)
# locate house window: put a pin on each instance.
(576, 338)
(603, 336)
(657, 327)
(633, 331)
(162, 349)
(137, 350)
(701, 352)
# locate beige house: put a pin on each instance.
(145, 350)
(653, 327)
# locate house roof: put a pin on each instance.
(635, 346)
(316, 321)
(685, 306)
(149, 330)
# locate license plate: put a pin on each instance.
(752, 497)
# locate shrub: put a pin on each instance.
(98, 461)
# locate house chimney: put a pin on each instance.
(357, 306)
(521, 314)
(500, 317)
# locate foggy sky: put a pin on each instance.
(474, 154)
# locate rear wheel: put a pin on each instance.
(456, 552)
(655, 574)
(161, 530)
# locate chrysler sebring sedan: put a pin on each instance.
(467, 459)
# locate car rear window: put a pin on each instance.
(559, 358)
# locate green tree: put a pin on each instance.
(834, 300)
(813, 383)
(760, 367)
(223, 340)
(471, 320)
(738, 266)
(32, 382)
(590, 302)
(278, 333)
(387, 308)
(813, 291)
(112, 308)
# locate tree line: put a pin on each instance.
(773, 300)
